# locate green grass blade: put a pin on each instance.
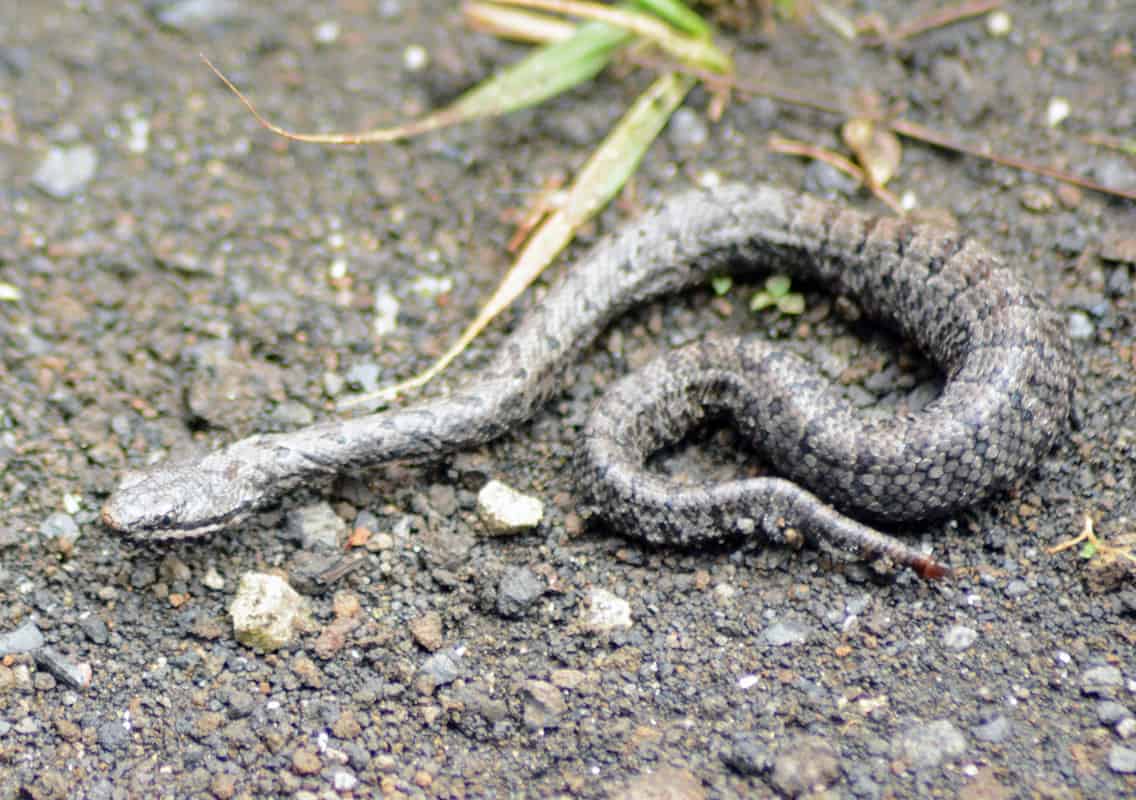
(617, 157)
(678, 14)
(546, 72)
(698, 51)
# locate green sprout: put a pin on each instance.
(776, 293)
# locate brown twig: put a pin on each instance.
(780, 144)
(432, 122)
(913, 130)
(936, 19)
(1089, 536)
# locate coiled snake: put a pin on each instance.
(1006, 400)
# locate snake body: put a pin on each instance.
(1006, 399)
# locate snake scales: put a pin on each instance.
(1006, 400)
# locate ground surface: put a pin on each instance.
(210, 280)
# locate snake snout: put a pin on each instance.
(160, 505)
(141, 510)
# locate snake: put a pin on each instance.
(837, 474)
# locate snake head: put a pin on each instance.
(179, 500)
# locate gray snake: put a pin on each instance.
(1006, 400)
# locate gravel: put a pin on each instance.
(199, 279)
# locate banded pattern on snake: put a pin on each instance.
(1006, 400)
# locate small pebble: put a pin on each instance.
(999, 23)
(94, 627)
(415, 57)
(266, 611)
(305, 762)
(1126, 728)
(568, 678)
(344, 781)
(1110, 712)
(1119, 246)
(927, 746)
(544, 705)
(1122, 759)
(223, 786)
(747, 755)
(212, 580)
(427, 630)
(1037, 199)
(1119, 282)
(827, 181)
(60, 526)
(808, 764)
(687, 129)
(432, 286)
(604, 612)
(518, 589)
(333, 384)
(27, 725)
(386, 308)
(1114, 171)
(506, 511)
(1104, 680)
(960, 637)
(994, 731)
(780, 634)
(1069, 196)
(66, 170)
(1056, 112)
(346, 726)
(23, 639)
(316, 527)
(443, 498)
(1017, 588)
(307, 671)
(112, 735)
(1080, 326)
(326, 32)
(241, 703)
(440, 669)
(73, 674)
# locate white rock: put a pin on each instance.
(506, 511)
(1056, 112)
(212, 579)
(266, 611)
(604, 612)
(999, 23)
(386, 312)
(66, 170)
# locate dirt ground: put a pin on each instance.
(174, 278)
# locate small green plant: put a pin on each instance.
(776, 293)
(721, 284)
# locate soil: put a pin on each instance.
(175, 277)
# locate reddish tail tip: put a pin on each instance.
(929, 569)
